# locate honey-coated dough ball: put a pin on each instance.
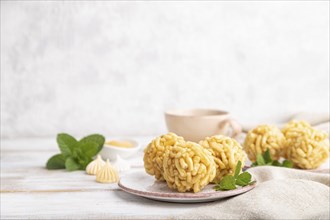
(305, 146)
(188, 167)
(226, 152)
(154, 153)
(264, 137)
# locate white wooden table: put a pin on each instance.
(29, 191)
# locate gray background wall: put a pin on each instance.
(114, 67)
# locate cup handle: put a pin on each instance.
(235, 126)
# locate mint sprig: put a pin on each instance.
(231, 182)
(243, 179)
(266, 159)
(227, 183)
(56, 162)
(75, 155)
(287, 163)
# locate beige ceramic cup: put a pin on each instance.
(196, 124)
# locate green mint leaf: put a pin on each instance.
(95, 138)
(253, 182)
(84, 161)
(238, 169)
(217, 187)
(71, 164)
(80, 157)
(243, 179)
(260, 160)
(89, 149)
(287, 163)
(276, 163)
(227, 183)
(66, 144)
(75, 155)
(76, 152)
(56, 162)
(254, 164)
(267, 157)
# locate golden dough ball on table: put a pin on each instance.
(305, 146)
(226, 152)
(188, 167)
(154, 153)
(264, 137)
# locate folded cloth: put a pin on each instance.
(315, 119)
(281, 193)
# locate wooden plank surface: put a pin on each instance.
(29, 191)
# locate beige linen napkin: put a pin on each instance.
(281, 193)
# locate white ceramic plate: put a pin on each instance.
(140, 184)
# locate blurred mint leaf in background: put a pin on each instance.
(71, 164)
(266, 159)
(56, 162)
(238, 169)
(276, 163)
(96, 140)
(66, 143)
(260, 160)
(75, 155)
(287, 163)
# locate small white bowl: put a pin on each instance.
(110, 151)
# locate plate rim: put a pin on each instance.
(187, 195)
